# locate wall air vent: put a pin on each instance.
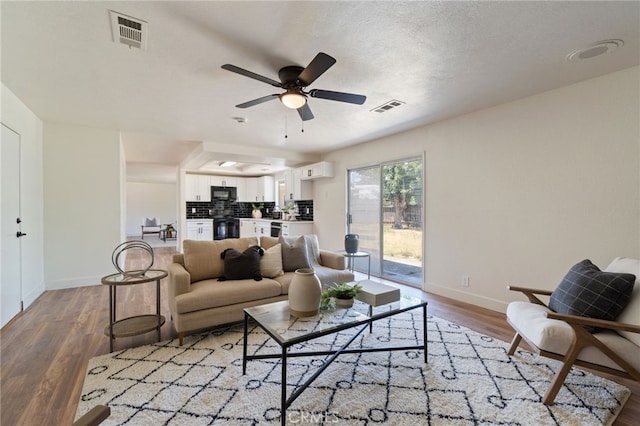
(394, 103)
(128, 30)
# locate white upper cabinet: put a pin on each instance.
(224, 181)
(198, 187)
(266, 189)
(295, 187)
(322, 169)
(257, 190)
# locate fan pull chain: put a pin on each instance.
(285, 127)
(302, 127)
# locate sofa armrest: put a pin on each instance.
(179, 280)
(332, 260)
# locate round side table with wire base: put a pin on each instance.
(138, 324)
(351, 260)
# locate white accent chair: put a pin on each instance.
(151, 226)
(613, 348)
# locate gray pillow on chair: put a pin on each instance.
(588, 292)
(150, 222)
(294, 256)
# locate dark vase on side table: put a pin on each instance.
(351, 243)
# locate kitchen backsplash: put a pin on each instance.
(243, 210)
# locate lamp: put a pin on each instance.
(293, 99)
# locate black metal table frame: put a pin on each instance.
(286, 402)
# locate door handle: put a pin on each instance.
(20, 234)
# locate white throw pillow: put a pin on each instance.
(631, 314)
(271, 262)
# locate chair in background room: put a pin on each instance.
(151, 226)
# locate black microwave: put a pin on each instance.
(225, 193)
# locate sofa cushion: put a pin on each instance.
(271, 262)
(587, 291)
(294, 254)
(202, 258)
(631, 314)
(212, 293)
(240, 266)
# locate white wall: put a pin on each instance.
(19, 118)
(150, 200)
(82, 202)
(518, 193)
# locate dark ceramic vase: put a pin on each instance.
(351, 243)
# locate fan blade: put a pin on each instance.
(338, 96)
(321, 63)
(305, 112)
(250, 74)
(257, 101)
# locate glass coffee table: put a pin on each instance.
(287, 330)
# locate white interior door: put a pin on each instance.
(10, 287)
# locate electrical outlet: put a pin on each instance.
(193, 210)
(307, 210)
(465, 281)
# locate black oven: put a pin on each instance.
(224, 228)
(276, 229)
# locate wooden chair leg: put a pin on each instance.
(514, 344)
(574, 350)
(94, 417)
(180, 338)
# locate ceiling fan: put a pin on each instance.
(294, 79)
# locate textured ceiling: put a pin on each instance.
(441, 59)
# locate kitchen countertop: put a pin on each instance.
(266, 219)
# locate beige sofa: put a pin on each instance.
(197, 299)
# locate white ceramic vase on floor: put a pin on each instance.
(304, 293)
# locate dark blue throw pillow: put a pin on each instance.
(241, 266)
(588, 292)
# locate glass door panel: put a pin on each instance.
(385, 210)
(364, 214)
(402, 221)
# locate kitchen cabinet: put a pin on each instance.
(293, 229)
(224, 181)
(255, 228)
(200, 230)
(257, 190)
(295, 187)
(323, 169)
(198, 188)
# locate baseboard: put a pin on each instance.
(467, 297)
(72, 283)
(31, 296)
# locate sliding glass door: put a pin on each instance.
(364, 214)
(385, 209)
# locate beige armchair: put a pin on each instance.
(614, 346)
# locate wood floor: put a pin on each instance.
(45, 350)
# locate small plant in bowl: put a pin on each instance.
(342, 294)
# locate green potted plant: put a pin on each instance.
(257, 210)
(343, 295)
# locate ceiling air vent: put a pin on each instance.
(128, 30)
(394, 103)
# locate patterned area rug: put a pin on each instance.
(469, 379)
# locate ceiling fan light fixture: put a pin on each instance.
(292, 99)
